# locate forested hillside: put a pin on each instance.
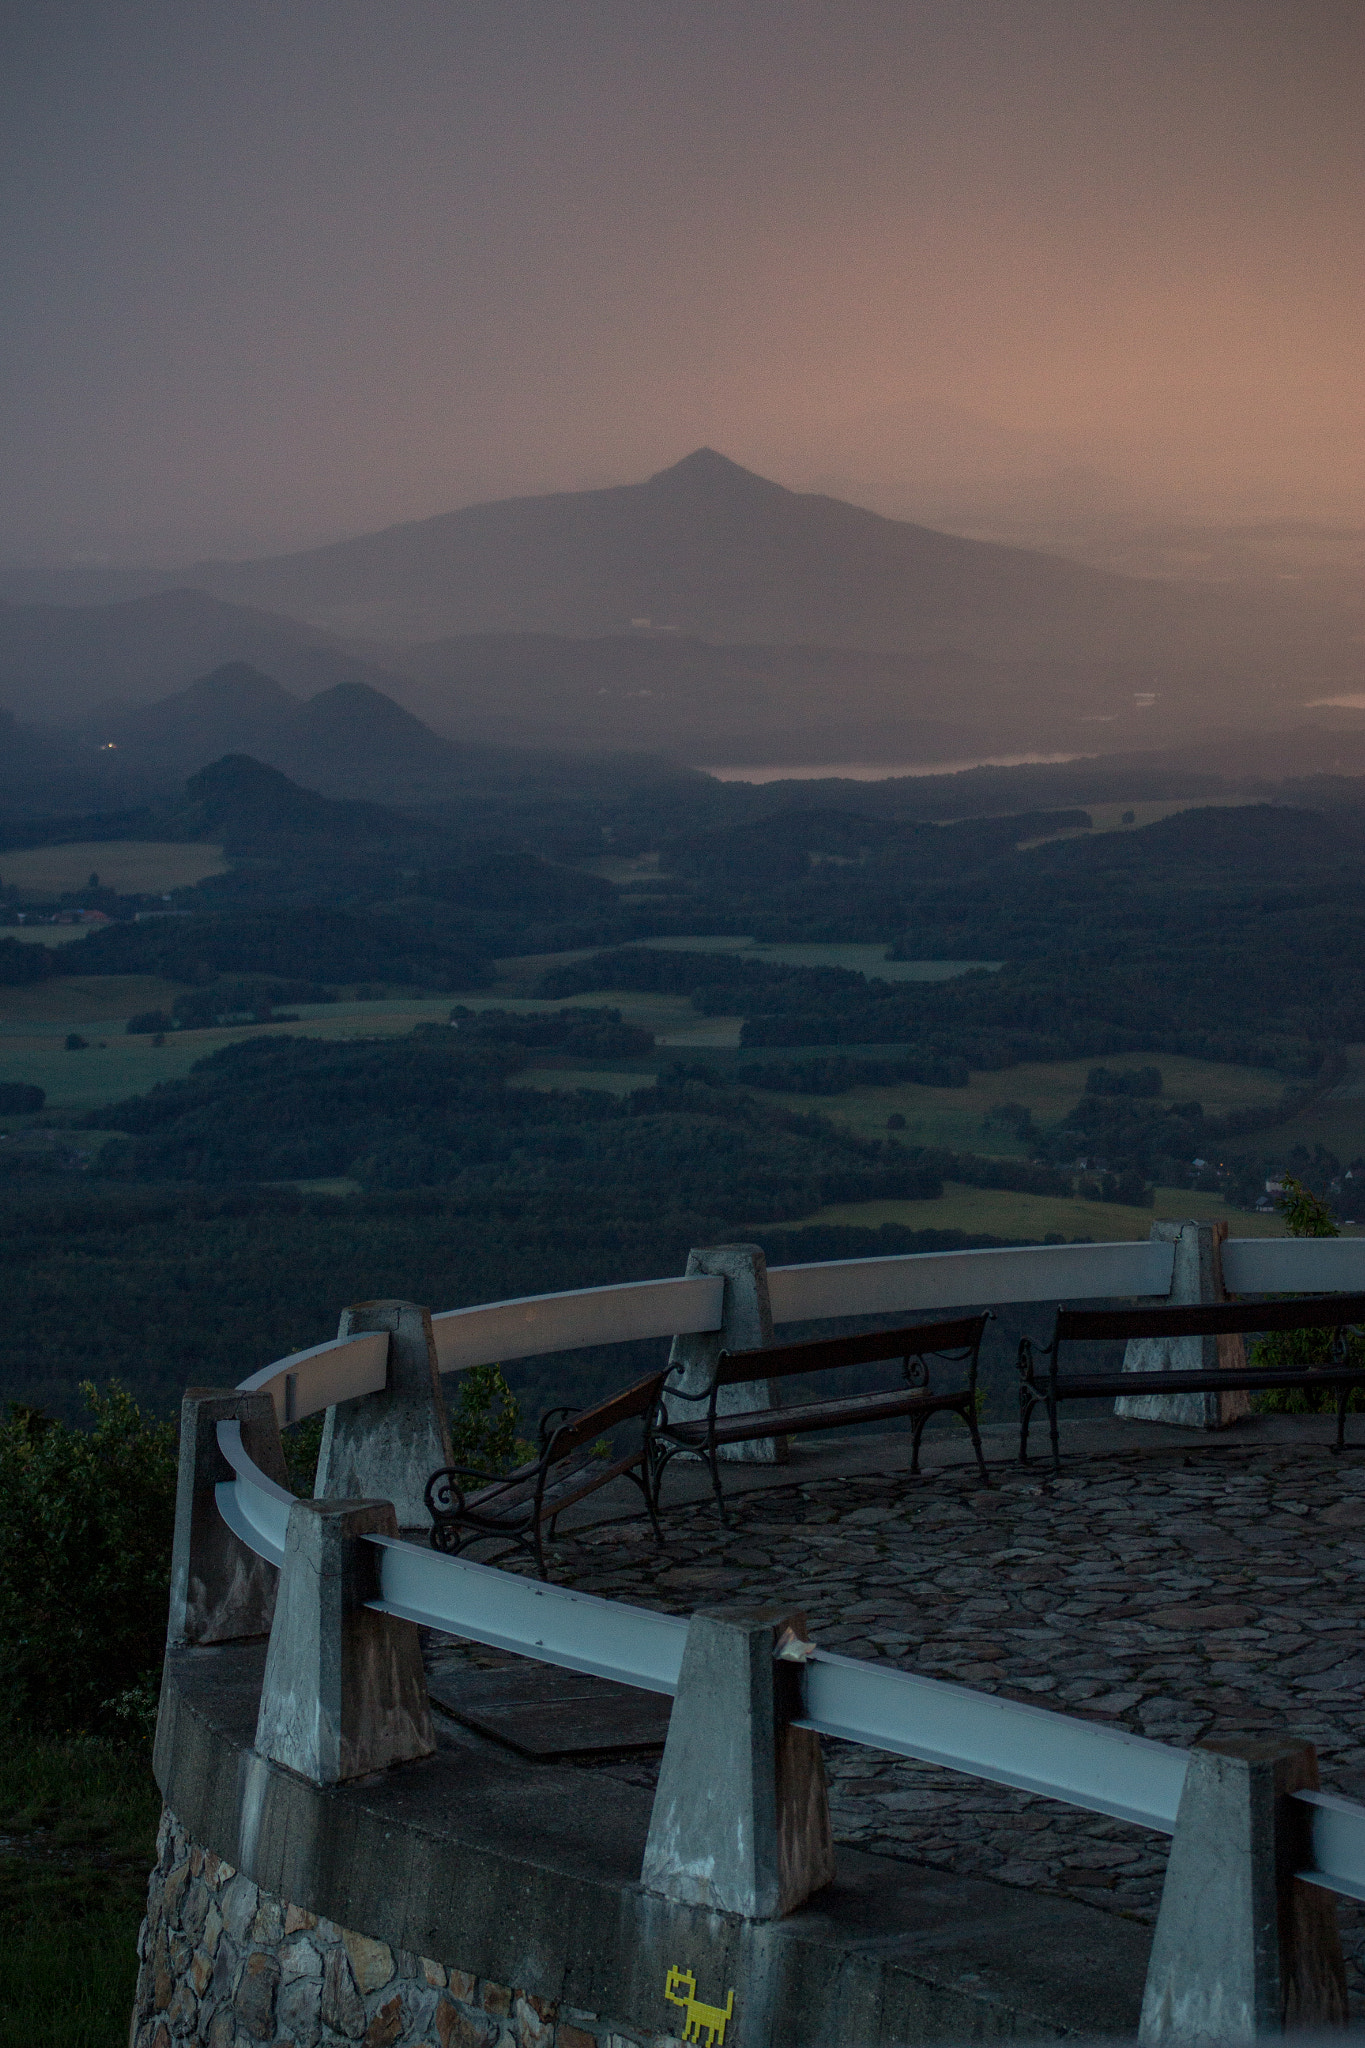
(556, 1036)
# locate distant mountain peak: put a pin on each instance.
(236, 777)
(242, 684)
(707, 468)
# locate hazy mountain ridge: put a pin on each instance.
(708, 548)
(706, 615)
(62, 662)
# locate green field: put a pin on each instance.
(869, 960)
(35, 1021)
(1337, 1119)
(135, 867)
(1031, 1218)
(955, 1117)
(1121, 817)
(46, 934)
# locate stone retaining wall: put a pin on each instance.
(224, 1963)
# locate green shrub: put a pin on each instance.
(302, 1442)
(483, 1422)
(1306, 1215)
(86, 1521)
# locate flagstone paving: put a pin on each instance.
(1176, 1594)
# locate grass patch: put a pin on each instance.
(954, 1117)
(133, 867)
(1032, 1218)
(78, 1822)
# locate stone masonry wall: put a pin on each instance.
(223, 1963)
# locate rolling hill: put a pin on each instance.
(62, 662)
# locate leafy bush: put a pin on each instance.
(302, 1444)
(86, 1521)
(22, 962)
(1306, 1215)
(483, 1422)
(19, 1098)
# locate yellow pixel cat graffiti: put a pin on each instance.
(680, 1988)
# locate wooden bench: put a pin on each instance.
(519, 1506)
(668, 1435)
(1335, 1312)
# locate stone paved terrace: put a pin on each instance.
(1176, 1583)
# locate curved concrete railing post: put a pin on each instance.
(344, 1690)
(386, 1445)
(221, 1587)
(746, 1324)
(1243, 1946)
(1197, 1276)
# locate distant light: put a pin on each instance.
(108, 746)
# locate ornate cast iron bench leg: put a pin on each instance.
(1027, 1396)
(969, 1417)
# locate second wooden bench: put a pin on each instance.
(670, 1433)
(1338, 1313)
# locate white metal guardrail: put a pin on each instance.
(934, 1280)
(1007, 1742)
(499, 1330)
(1294, 1265)
(1081, 1763)
(493, 1332)
(308, 1381)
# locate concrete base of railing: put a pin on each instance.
(344, 1690)
(386, 1445)
(741, 1815)
(1196, 1276)
(220, 1590)
(504, 1892)
(1243, 1947)
(746, 1324)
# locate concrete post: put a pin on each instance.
(386, 1446)
(1197, 1277)
(220, 1590)
(1242, 1948)
(741, 1817)
(344, 1690)
(746, 1323)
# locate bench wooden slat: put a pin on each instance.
(1211, 1319)
(808, 1415)
(703, 1434)
(871, 1347)
(1210, 1380)
(512, 1492)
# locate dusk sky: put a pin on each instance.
(279, 270)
